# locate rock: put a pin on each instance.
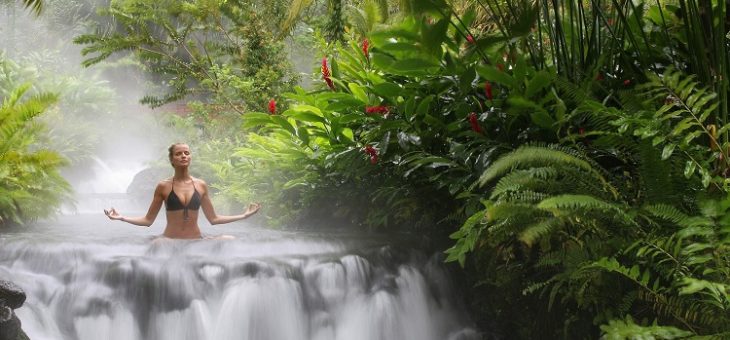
(145, 181)
(11, 297)
(5, 313)
(10, 330)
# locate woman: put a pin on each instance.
(183, 196)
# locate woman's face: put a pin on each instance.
(181, 156)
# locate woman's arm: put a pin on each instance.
(214, 218)
(149, 218)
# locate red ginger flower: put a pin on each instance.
(366, 48)
(381, 109)
(474, 123)
(470, 38)
(330, 84)
(373, 153)
(272, 106)
(627, 82)
(488, 90)
(326, 74)
(325, 69)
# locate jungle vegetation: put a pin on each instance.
(570, 157)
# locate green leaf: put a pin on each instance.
(303, 134)
(668, 150)
(425, 105)
(543, 120)
(305, 108)
(281, 121)
(306, 116)
(706, 178)
(689, 169)
(400, 48)
(493, 74)
(433, 121)
(413, 67)
(540, 81)
(433, 36)
(657, 140)
(358, 92)
(387, 90)
(253, 119)
(381, 61)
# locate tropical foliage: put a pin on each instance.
(572, 150)
(198, 49)
(30, 184)
(571, 156)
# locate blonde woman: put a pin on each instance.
(183, 196)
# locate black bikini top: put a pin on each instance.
(173, 202)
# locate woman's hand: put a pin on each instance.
(113, 214)
(252, 209)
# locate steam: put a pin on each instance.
(98, 122)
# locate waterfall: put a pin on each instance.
(109, 176)
(106, 188)
(90, 281)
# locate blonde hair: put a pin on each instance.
(171, 148)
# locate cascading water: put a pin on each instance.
(89, 278)
(106, 187)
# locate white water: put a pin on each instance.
(89, 278)
(107, 187)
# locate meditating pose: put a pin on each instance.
(183, 196)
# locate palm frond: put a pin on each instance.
(35, 5)
(296, 8)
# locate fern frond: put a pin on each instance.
(534, 156)
(536, 231)
(518, 179)
(667, 212)
(526, 196)
(684, 97)
(559, 204)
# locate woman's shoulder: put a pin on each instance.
(200, 182)
(164, 182)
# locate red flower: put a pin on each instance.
(374, 159)
(474, 123)
(325, 69)
(330, 84)
(627, 82)
(326, 74)
(470, 38)
(488, 89)
(372, 152)
(381, 109)
(366, 48)
(272, 106)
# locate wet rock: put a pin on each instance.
(11, 297)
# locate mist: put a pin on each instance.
(98, 122)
